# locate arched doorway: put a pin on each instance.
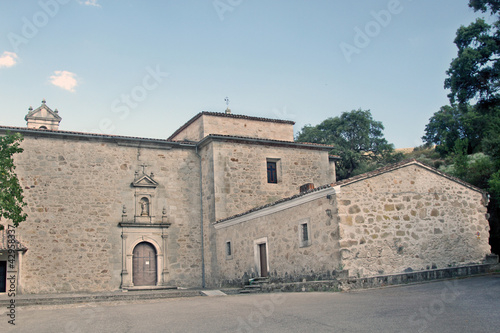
(144, 270)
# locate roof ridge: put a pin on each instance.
(227, 115)
(399, 165)
(228, 136)
(295, 196)
(97, 135)
(363, 176)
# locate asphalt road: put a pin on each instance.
(466, 305)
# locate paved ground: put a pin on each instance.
(466, 305)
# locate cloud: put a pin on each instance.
(90, 3)
(8, 59)
(65, 80)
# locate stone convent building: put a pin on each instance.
(220, 201)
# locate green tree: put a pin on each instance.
(475, 73)
(11, 193)
(452, 123)
(358, 140)
(460, 159)
(474, 77)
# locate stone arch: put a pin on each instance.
(147, 239)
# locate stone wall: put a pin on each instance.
(234, 125)
(240, 173)
(76, 187)
(193, 132)
(289, 260)
(235, 180)
(410, 219)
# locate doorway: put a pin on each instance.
(3, 276)
(144, 268)
(263, 259)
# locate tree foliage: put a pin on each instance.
(475, 73)
(11, 193)
(452, 123)
(461, 129)
(358, 140)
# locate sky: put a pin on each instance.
(144, 68)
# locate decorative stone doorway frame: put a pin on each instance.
(135, 233)
(257, 255)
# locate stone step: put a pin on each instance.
(252, 286)
(258, 280)
(57, 299)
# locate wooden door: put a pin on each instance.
(3, 276)
(263, 260)
(144, 265)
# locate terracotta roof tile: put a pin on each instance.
(354, 179)
(298, 195)
(399, 165)
(264, 141)
(83, 134)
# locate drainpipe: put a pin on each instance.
(201, 225)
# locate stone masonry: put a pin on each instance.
(201, 205)
(76, 188)
(88, 211)
(206, 123)
(411, 218)
(406, 217)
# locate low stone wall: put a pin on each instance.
(345, 284)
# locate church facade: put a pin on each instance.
(219, 201)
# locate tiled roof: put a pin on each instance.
(82, 134)
(26, 130)
(275, 203)
(4, 243)
(265, 141)
(402, 164)
(361, 177)
(227, 115)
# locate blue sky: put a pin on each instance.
(143, 68)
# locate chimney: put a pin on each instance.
(306, 187)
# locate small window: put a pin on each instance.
(229, 251)
(272, 173)
(304, 234)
